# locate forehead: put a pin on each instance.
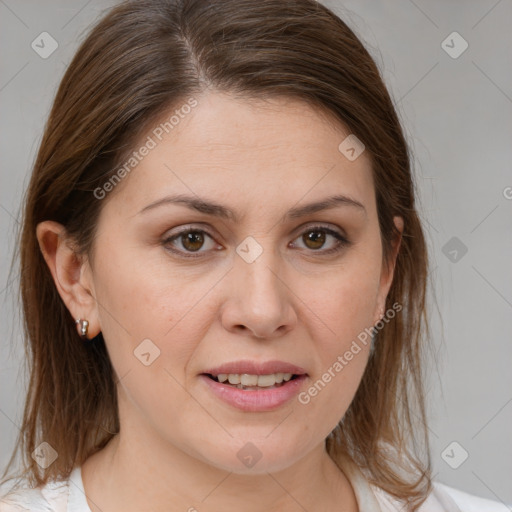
(252, 151)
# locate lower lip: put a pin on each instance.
(255, 400)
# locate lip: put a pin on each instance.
(255, 400)
(256, 368)
(260, 400)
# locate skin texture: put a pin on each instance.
(178, 443)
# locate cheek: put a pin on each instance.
(155, 309)
(151, 329)
(342, 350)
(329, 395)
(346, 302)
(346, 306)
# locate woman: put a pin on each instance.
(224, 273)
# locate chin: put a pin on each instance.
(256, 455)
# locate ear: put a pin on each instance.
(387, 272)
(71, 274)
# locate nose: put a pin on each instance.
(260, 302)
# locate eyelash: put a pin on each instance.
(342, 241)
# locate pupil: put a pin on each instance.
(317, 241)
(195, 238)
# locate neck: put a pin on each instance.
(135, 472)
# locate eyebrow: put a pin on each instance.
(211, 208)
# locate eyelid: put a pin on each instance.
(327, 226)
(187, 228)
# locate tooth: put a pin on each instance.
(265, 381)
(248, 380)
(234, 378)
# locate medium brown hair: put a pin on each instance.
(141, 59)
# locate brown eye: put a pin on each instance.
(192, 241)
(314, 239)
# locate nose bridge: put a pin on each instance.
(261, 302)
(258, 266)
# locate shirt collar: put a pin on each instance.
(76, 499)
(366, 499)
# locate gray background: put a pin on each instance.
(457, 113)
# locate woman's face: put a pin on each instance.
(269, 288)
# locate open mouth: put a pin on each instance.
(253, 382)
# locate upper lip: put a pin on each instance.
(256, 368)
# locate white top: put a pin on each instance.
(69, 496)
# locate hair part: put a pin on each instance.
(140, 60)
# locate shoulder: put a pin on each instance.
(443, 499)
(49, 498)
(466, 502)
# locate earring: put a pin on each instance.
(84, 324)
